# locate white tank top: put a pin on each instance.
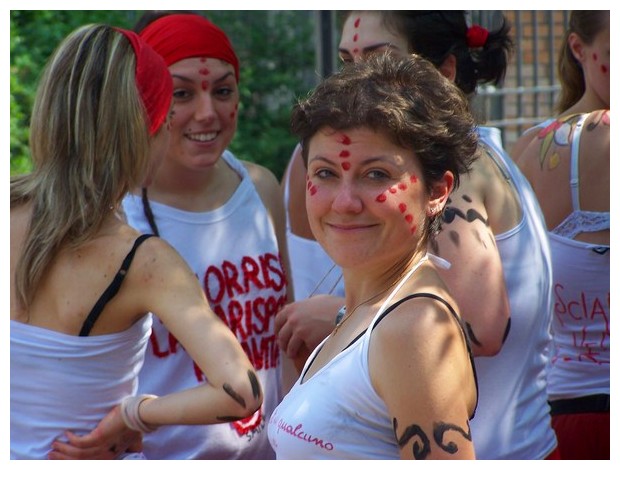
(242, 275)
(513, 420)
(581, 271)
(337, 414)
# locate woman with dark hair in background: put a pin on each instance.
(493, 235)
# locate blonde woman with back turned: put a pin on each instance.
(83, 281)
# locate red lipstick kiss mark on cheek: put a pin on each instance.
(393, 190)
(409, 218)
(203, 71)
(413, 229)
(344, 154)
(594, 57)
(357, 22)
(311, 187)
(204, 85)
(604, 69)
(345, 140)
(413, 179)
(402, 186)
(402, 207)
(381, 198)
(346, 165)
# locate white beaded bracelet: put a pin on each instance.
(131, 415)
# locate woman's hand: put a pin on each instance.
(110, 438)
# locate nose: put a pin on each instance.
(205, 108)
(347, 199)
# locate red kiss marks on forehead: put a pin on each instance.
(203, 71)
(344, 154)
(345, 140)
(346, 166)
(203, 60)
(357, 22)
(355, 37)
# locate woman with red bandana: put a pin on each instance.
(489, 221)
(567, 161)
(100, 126)
(225, 217)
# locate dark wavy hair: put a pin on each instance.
(435, 34)
(405, 98)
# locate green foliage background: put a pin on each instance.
(276, 50)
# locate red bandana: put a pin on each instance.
(180, 36)
(153, 80)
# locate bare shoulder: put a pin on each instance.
(260, 175)
(596, 132)
(421, 326)
(522, 144)
(266, 184)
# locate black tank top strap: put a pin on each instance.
(113, 288)
(458, 320)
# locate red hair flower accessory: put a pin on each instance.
(477, 36)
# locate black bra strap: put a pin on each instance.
(112, 289)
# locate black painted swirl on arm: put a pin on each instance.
(440, 429)
(421, 445)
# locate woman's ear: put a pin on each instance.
(576, 46)
(440, 191)
(448, 67)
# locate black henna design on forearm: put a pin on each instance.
(255, 384)
(229, 419)
(421, 445)
(235, 396)
(439, 430)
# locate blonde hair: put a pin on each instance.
(89, 143)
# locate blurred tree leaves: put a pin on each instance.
(276, 50)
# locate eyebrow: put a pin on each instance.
(370, 48)
(217, 80)
(364, 162)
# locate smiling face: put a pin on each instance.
(206, 99)
(364, 33)
(366, 199)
